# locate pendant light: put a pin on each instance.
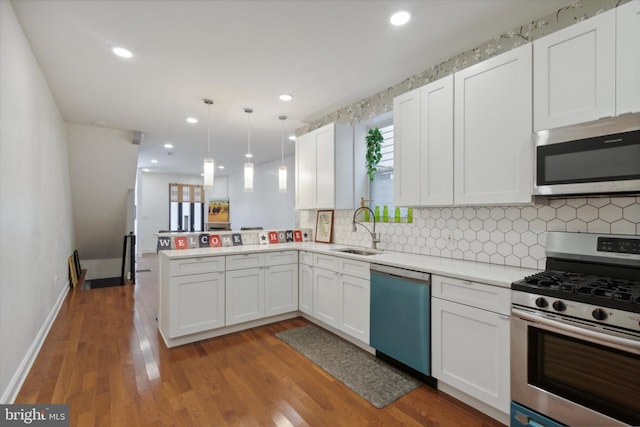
(248, 166)
(209, 165)
(282, 171)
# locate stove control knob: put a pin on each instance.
(599, 314)
(559, 306)
(541, 302)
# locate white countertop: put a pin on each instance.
(493, 274)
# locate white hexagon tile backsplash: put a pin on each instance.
(506, 235)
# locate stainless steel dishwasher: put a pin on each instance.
(401, 316)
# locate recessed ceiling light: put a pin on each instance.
(292, 138)
(286, 97)
(145, 169)
(154, 161)
(400, 18)
(122, 52)
(168, 145)
(221, 167)
(248, 155)
(192, 120)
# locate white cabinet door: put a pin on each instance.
(197, 303)
(493, 130)
(628, 58)
(574, 73)
(470, 349)
(355, 296)
(305, 172)
(306, 289)
(326, 296)
(325, 167)
(281, 289)
(436, 143)
(245, 295)
(406, 149)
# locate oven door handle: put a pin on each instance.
(620, 342)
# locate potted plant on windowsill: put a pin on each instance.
(374, 143)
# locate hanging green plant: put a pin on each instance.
(374, 143)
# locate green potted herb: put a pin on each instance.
(374, 143)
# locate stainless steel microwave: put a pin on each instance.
(599, 157)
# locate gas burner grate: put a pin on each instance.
(587, 286)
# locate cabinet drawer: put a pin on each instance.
(281, 258)
(238, 262)
(306, 258)
(474, 294)
(326, 261)
(354, 268)
(185, 266)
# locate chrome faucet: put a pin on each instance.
(375, 237)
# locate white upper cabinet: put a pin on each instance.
(436, 136)
(423, 145)
(406, 145)
(628, 58)
(493, 103)
(574, 73)
(305, 159)
(324, 168)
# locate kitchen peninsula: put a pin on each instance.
(194, 294)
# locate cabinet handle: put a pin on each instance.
(503, 317)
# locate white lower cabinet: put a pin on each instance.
(280, 289)
(260, 285)
(245, 295)
(197, 303)
(341, 296)
(355, 294)
(305, 278)
(470, 345)
(192, 295)
(326, 294)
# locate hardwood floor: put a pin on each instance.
(104, 357)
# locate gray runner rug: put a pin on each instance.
(374, 380)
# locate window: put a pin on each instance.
(381, 189)
(186, 207)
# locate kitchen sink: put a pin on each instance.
(358, 251)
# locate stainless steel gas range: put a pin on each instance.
(575, 334)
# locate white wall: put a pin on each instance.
(265, 207)
(103, 165)
(153, 203)
(35, 206)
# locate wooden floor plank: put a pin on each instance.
(105, 357)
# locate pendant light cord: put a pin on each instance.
(248, 111)
(282, 119)
(209, 103)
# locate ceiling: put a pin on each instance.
(326, 53)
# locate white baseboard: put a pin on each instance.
(366, 347)
(11, 392)
(486, 409)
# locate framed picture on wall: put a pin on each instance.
(324, 226)
(72, 272)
